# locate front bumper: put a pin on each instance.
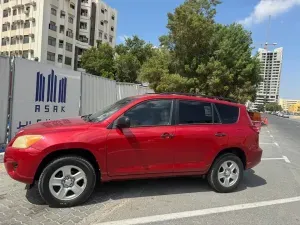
(22, 164)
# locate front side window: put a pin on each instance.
(195, 112)
(151, 113)
(229, 114)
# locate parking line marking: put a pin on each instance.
(286, 159)
(264, 159)
(271, 135)
(201, 212)
(265, 143)
(276, 144)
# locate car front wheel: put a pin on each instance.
(226, 173)
(67, 181)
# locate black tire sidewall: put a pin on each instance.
(43, 184)
(213, 175)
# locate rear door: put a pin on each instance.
(199, 135)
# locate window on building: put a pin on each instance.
(51, 41)
(84, 1)
(25, 54)
(83, 25)
(110, 39)
(62, 29)
(70, 33)
(84, 12)
(102, 10)
(3, 42)
(71, 20)
(102, 22)
(53, 11)
(68, 61)
(27, 24)
(62, 14)
(72, 6)
(69, 47)
(60, 58)
(27, 10)
(13, 40)
(100, 34)
(51, 56)
(26, 39)
(112, 28)
(5, 1)
(52, 26)
(61, 44)
(15, 12)
(5, 13)
(105, 36)
(113, 17)
(4, 27)
(195, 112)
(83, 38)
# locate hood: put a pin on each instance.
(62, 124)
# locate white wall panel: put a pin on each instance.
(4, 88)
(97, 93)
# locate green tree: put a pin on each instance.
(261, 108)
(136, 47)
(273, 106)
(206, 57)
(127, 68)
(99, 61)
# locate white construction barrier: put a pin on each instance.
(43, 92)
(127, 90)
(4, 89)
(96, 93)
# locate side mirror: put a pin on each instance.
(123, 122)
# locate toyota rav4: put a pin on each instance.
(149, 136)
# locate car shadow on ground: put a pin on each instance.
(152, 187)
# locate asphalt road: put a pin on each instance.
(269, 194)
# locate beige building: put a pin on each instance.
(286, 103)
(55, 32)
(270, 65)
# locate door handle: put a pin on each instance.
(167, 135)
(219, 134)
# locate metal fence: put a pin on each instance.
(4, 89)
(41, 92)
(96, 93)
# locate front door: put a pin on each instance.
(145, 147)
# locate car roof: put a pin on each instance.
(212, 99)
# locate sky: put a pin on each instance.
(148, 19)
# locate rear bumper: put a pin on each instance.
(21, 164)
(254, 158)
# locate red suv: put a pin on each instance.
(154, 135)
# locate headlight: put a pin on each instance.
(26, 141)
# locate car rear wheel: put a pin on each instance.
(226, 173)
(67, 181)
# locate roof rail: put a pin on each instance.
(197, 95)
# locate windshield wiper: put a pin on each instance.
(86, 117)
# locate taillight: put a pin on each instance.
(255, 128)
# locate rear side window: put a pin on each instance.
(229, 114)
(195, 112)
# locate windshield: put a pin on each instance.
(108, 111)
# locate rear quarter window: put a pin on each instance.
(229, 114)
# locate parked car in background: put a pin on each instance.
(285, 116)
(157, 135)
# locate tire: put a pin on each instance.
(220, 184)
(63, 175)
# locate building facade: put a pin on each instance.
(55, 32)
(294, 108)
(286, 103)
(270, 64)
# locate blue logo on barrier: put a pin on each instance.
(51, 88)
